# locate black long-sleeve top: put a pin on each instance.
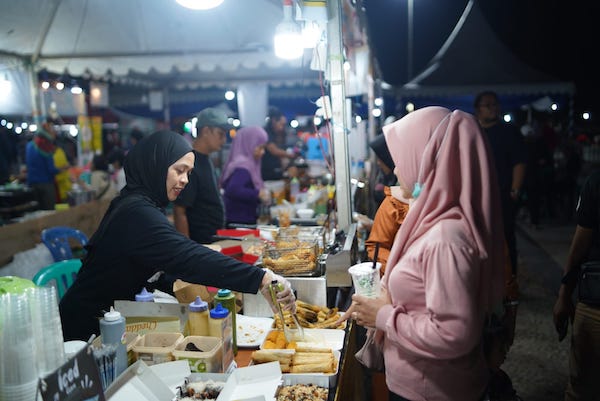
(136, 242)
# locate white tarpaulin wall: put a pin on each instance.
(15, 95)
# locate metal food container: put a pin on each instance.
(304, 233)
(292, 257)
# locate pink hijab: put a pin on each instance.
(447, 153)
(241, 154)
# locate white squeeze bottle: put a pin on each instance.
(112, 330)
(144, 296)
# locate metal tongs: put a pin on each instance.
(289, 333)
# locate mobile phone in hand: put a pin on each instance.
(562, 331)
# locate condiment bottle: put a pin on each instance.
(144, 296)
(227, 299)
(198, 317)
(294, 189)
(112, 330)
(219, 321)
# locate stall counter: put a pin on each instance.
(19, 237)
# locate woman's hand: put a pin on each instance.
(364, 310)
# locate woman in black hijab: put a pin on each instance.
(135, 242)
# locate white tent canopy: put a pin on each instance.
(150, 42)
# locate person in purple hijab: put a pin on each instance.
(241, 180)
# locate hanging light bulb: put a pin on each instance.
(60, 85)
(45, 85)
(75, 88)
(288, 37)
(230, 95)
(200, 4)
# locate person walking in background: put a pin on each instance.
(100, 181)
(8, 155)
(445, 271)
(40, 166)
(135, 136)
(199, 211)
(510, 160)
(276, 157)
(242, 183)
(116, 160)
(584, 383)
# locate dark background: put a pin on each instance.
(559, 38)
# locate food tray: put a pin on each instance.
(316, 378)
(292, 258)
(251, 331)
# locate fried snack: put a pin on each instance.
(311, 316)
(263, 356)
(322, 367)
(311, 348)
(272, 336)
(268, 344)
(303, 358)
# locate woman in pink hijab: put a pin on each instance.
(445, 270)
(242, 182)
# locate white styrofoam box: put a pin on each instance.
(256, 382)
(312, 290)
(138, 382)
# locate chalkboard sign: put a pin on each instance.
(77, 379)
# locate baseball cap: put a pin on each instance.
(211, 117)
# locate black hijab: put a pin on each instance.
(146, 168)
(146, 165)
(381, 150)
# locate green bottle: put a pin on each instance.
(227, 299)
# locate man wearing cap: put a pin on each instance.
(198, 211)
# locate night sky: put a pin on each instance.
(559, 38)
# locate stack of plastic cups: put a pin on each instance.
(47, 329)
(18, 371)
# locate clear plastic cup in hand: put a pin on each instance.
(366, 279)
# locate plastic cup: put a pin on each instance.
(366, 279)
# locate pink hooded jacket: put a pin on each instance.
(445, 269)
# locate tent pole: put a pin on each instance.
(34, 92)
(339, 113)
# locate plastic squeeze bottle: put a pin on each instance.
(218, 322)
(198, 317)
(227, 299)
(112, 330)
(144, 296)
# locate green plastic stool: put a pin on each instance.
(63, 272)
